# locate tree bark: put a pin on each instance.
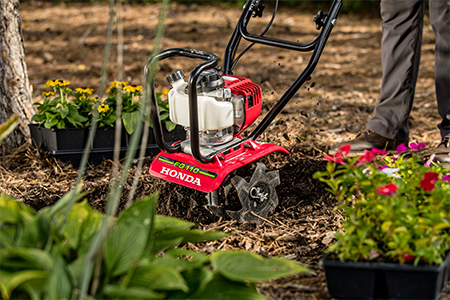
(15, 95)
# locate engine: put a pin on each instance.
(227, 105)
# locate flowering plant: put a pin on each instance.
(395, 208)
(63, 107)
(56, 110)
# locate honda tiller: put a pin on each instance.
(216, 108)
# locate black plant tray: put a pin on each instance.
(96, 155)
(361, 280)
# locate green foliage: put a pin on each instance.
(43, 257)
(395, 208)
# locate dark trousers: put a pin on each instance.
(402, 24)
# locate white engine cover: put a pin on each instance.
(212, 114)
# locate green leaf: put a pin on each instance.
(140, 212)
(10, 281)
(158, 277)
(15, 259)
(183, 260)
(246, 266)
(129, 120)
(50, 123)
(124, 245)
(196, 279)
(222, 288)
(193, 236)
(116, 292)
(59, 285)
(170, 125)
(82, 223)
(37, 233)
(12, 211)
(163, 223)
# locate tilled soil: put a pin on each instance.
(67, 41)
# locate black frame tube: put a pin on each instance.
(239, 32)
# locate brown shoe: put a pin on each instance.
(442, 152)
(366, 140)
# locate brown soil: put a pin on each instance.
(67, 41)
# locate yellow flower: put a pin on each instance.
(103, 108)
(165, 91)
(82, 98)
(92, 99)
(63, 83)
(83, 90)
(47, 94)
(132, 88)
(51, 83)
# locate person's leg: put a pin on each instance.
(402, 23)
(440, 21)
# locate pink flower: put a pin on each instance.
(401, 148)
(387, 190)
(408, 257)
(429, 180)
(338, 157)
(380, 151)
(415, 146)
(366, 158)
(446, 178)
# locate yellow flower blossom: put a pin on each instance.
(47, 94)
(165, 91)
(83, 90)
(93, 99)
(132, 88)
(83, 97)
(103, 108)
(56, 83)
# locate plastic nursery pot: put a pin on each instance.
(178, 134)
(361, 280)
(63, 139)
(36, 135)
(105, 137)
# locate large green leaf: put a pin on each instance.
(222, 288)
(115, 292)
(59, 285)
(129, 120)
(124, 244)
(17, 259)
(158, 277)
(163, 223)
(10, 281)
(182, 259)
(140, 212)
(249, 267)
(37, 233)
(12, 211)
(82, 223)
(196, 279)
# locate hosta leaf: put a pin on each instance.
(37, 233)
(196, 279)
(184, 259)
(81, 225)
(59, 285)
(222, 288)
(163, 223)
(10, 281)
(246, 266)
(123, 245)
(158, 277)
(140, 212)
(12, 211)
(15, 259)
(115, 292)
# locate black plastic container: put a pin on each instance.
(361, 280)
(63, 139)
(68, 144)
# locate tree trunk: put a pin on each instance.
(15, 95)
